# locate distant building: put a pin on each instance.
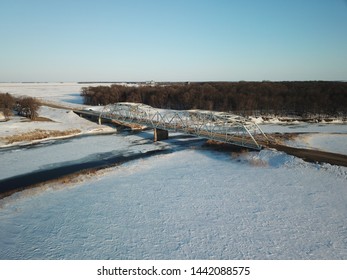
(151, 83)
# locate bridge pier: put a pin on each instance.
(160, 134)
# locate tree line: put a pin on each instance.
(23, 106)
(247, 98)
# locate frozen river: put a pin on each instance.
(53, 159)
(191, 203)
(184, 201)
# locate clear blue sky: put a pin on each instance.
(173, 40)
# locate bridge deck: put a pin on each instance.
(219, 126)
(240, 140)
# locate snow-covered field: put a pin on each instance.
(335, 143)
(65, 94)
(61, 120)
(325, 137)
(62, 93)
(192, 203)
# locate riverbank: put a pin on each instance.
(57, 123)
(67, 172)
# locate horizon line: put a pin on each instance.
(161, 82)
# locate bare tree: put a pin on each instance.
(281, 98)
(6, 104)
(27, 107)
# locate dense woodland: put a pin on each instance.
(247, 98)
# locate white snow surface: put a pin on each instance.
(304, 128)
(335, 143)
(189, 204)
(325, 137)
(53, 153)
(62, 93)
(62, 120)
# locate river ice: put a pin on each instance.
(192, 204)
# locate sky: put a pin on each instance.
(172, 40)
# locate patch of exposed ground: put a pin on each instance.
(38, 134)
(61, 182)
(312, 155)
(282, 138)
(42, 119)
(37, 119)
(277, 141)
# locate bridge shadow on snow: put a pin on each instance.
(98, 161)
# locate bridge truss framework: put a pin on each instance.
(218, 126)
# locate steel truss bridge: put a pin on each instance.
(218, 126)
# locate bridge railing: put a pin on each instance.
(219, 126)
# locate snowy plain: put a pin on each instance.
(62, 93)
(192, 203)
(326, 137)
(61, 120)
